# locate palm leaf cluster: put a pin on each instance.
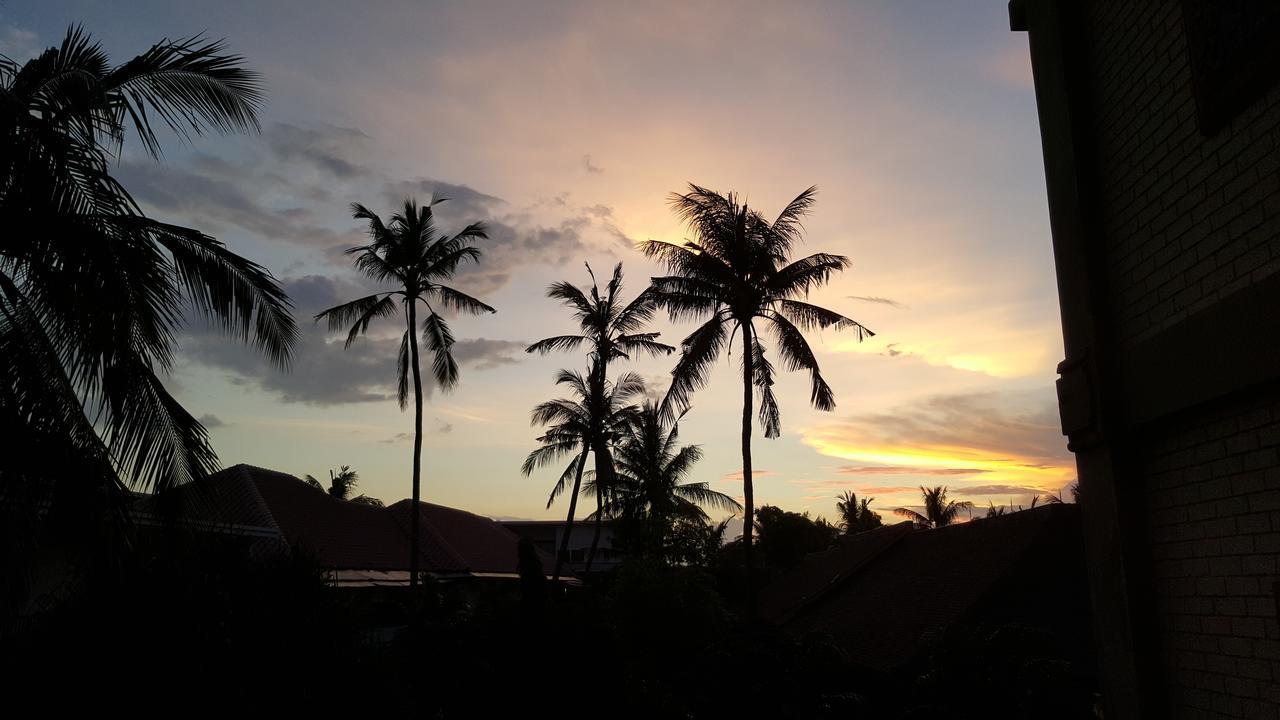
(938, 510)
(652, 489)
(856, 515)
(342, 484)
(93, 292)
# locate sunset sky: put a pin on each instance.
(565, 125)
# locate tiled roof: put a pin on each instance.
(343, 535)
(881, 593)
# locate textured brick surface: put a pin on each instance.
(1186, 222)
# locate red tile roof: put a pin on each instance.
(343, 535)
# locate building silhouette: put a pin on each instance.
(1160, 123)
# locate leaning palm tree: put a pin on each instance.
(411, 255)
(735, 272)
(612, 329)
(651, 487)
(93, 292)
(856, 515)
(598, 412)
(342, 484)
(938, 511)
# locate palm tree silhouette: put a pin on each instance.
(736, 271)
(856, 515)
(613, 330)
(652, 470)
(598, 412)
(409, 253)
(938, 511)
(341, 485)
(93, 292)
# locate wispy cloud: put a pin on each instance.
(210, 421)
(879, 301)
(736, 476)
(907, 470)
(590, 167)
(996, 436)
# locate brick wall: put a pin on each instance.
(1187, 221)
(1214, 491)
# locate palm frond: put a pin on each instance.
(440, 343)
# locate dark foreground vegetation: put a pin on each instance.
(180, 626)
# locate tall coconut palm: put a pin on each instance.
(856, 515)
(651, 487)
(735, 272)
(938, 510)
(411, 255)
(597, 413)
(612, 329)
(93, 292)
(342, 484)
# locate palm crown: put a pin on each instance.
(856, 515)
(93, 292)
(409, 253)
(598, 412)
(652, 472)
(938, 510)
(734, 272)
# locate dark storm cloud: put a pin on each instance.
(323, 372)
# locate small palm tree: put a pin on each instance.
(993, 511)
(93, 293)
(595, 414)
(651, 487)
(856, 515)
(409, 253)
(341, 485)
(737, 271)
(938, 511)
(612, 329)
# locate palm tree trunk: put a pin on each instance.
(748, 494)
(414, 549)
(568, 523)
(595, 538)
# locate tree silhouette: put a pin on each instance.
(938, 511)
(651, 489)
(856, 515)
(93, 292)
(342, 484)
(612, 329)
(595, 414)
(737, 271)
(409, 253)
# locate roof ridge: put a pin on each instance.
(261, 501)
(423, 525)
(904, 528)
